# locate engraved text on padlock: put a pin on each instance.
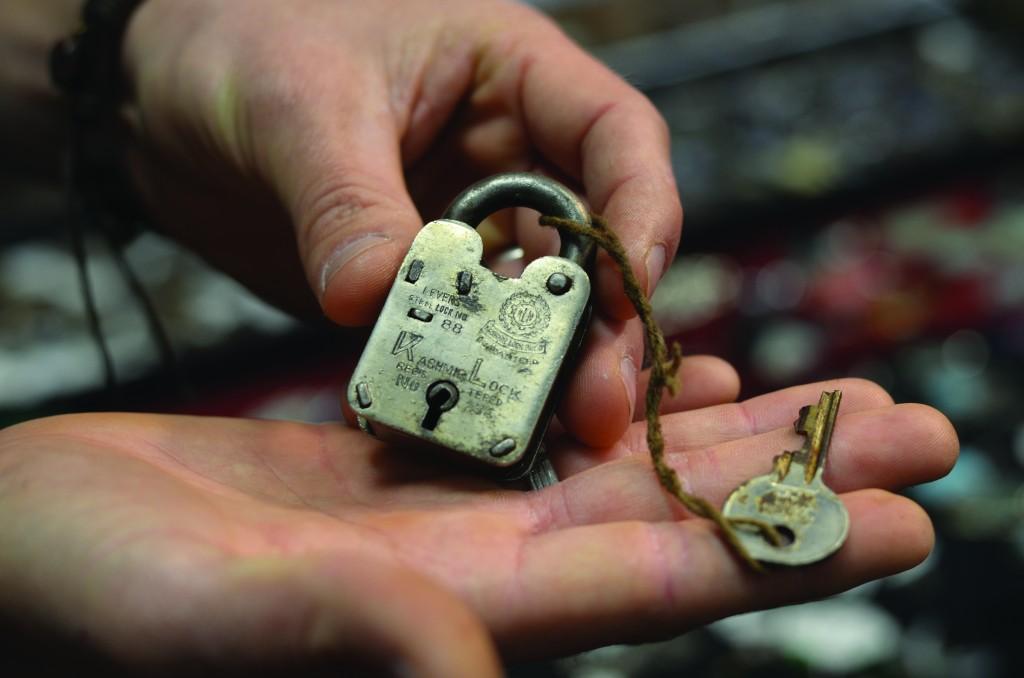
(467, 360)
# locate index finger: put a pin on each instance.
(595, 127)
(635, 581)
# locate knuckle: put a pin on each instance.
(660, 593)
(636, 106)
(335, 206)
(546, 509)
(697, 468)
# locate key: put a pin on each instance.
(543, 472)
(808, 516)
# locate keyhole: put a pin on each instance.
(441, 397)
(787, 534)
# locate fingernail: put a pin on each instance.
(627, 371)
(655, 267)
(345, 252)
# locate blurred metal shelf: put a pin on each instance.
(765, 33)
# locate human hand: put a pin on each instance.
(342, 126)
(236, 542)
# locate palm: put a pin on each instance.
(168, 511)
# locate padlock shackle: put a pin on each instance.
(521, 189)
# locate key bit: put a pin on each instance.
(816, 423)
(793, 497)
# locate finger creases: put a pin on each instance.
(706, 381)
(889, 448)
(338, 170)
(714, 424)
(636, 581)
(611, 138)
(357, 276)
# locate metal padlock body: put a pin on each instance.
(503, 344)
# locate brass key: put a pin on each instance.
(808, 516)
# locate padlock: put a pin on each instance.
(468, 361)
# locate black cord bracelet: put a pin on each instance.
(86, 68)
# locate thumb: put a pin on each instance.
(350, 612)
(342, 182)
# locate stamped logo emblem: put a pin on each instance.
(524, 314)
(521, 322)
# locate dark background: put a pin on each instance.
(854, 185)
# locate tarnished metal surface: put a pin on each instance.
(794, 497)
(467, 360)
(521, 189)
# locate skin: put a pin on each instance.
(232, 542)
(353, 123)
(269, 135)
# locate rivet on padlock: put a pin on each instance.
(469, 361)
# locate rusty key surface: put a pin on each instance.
(793, 498)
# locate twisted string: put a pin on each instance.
(665, 362)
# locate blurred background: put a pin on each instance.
(854, 184)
